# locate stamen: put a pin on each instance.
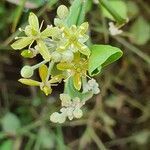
(41, 25)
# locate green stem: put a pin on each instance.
(51, 64)
(133, 49)
(39, 64)
(109, 8)
(96, 139)
(19, 12)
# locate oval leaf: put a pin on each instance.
(140, 31)
(10, 123)
(101, 56)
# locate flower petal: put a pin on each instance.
(28, 30)
(29, 82)
(33, 21)
(57, 78)
(21, 43)
(50, 32)
(43, 72)
(83, 49)
(43, 50)
(64, 66)
(77, 81)
(83, 28)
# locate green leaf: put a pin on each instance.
(140, 31)
(7, 145)
(73, 93)
(74, 13)
(133, 9)
(101, 56)
(83, 11)
(10, 123)
(115, 10)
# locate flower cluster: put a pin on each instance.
(91, 85)
(70, 108)
(113, 29)
(65, 55)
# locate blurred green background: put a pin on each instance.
(116, 119)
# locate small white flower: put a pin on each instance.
(77, 113)
(57, 118)
(70, 109)
(67, 56)
(113, 29)
(65, 100)
(93, 86)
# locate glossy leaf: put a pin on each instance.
(101, 56)
(21, 43)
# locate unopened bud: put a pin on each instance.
(62, 11)
(56, 56)
(27, 71)
(67, 56)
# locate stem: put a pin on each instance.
(39, 64)
(51, 64)
(133, 49)
(96, 139)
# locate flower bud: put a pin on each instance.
(47, 90)
(77, 113)
(67, 56)
(62, 11)
(27, 71)
(56, 56)
(27, 54)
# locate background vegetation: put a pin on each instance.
(117, 118)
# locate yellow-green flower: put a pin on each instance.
(77, 69)
(33, 33)
(45, 84)
(74, 39)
